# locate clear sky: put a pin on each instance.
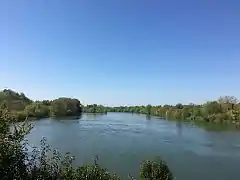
(121, 52)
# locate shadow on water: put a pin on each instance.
(216, 127)
(208, 126)
(148, 117)
(94, 116)
(68, 117)
(179, 128)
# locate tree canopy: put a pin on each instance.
(22, 107)
(65, 107)
(224, 110)
(94, 108)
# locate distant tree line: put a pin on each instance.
(22, 107)
(94, 108)
(225, 110)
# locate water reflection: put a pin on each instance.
(179, 128)
(148, 117)
(93, 116)
(216, 127)
(69, 117)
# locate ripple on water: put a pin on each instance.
(127, 139)
(237, 146)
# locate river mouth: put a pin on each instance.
(123, 140)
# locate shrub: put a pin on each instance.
(155, 170)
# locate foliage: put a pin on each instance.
(148, 109)
(22, 107)
(20, 115)
(12, 155)
(155, 170)
(37, 109)
(65, 107)
(225, 110)
(15, 101)
(94, 108)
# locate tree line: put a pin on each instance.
(225, 110)
(94, 108)
(22, 107)
(16, 162)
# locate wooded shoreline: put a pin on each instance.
(225, 110)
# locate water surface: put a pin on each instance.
(123, 140)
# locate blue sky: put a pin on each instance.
(121, 52)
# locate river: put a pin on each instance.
(123, 140)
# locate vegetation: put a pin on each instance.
(22, 107)
(225, 110)
(94, 108)
(44, 164)
(152, 170)
(65, 107)
(14, 101)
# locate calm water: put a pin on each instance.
(122, 141)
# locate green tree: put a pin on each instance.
(179, 106)
(94, 108)
(37, 110)
(148, 109)
(227, 102)
(65, 107)
(15, 101)
(212, 107)
(155, 170)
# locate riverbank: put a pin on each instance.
(226, 110)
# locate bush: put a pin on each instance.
(155, 170)
(20, 115)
